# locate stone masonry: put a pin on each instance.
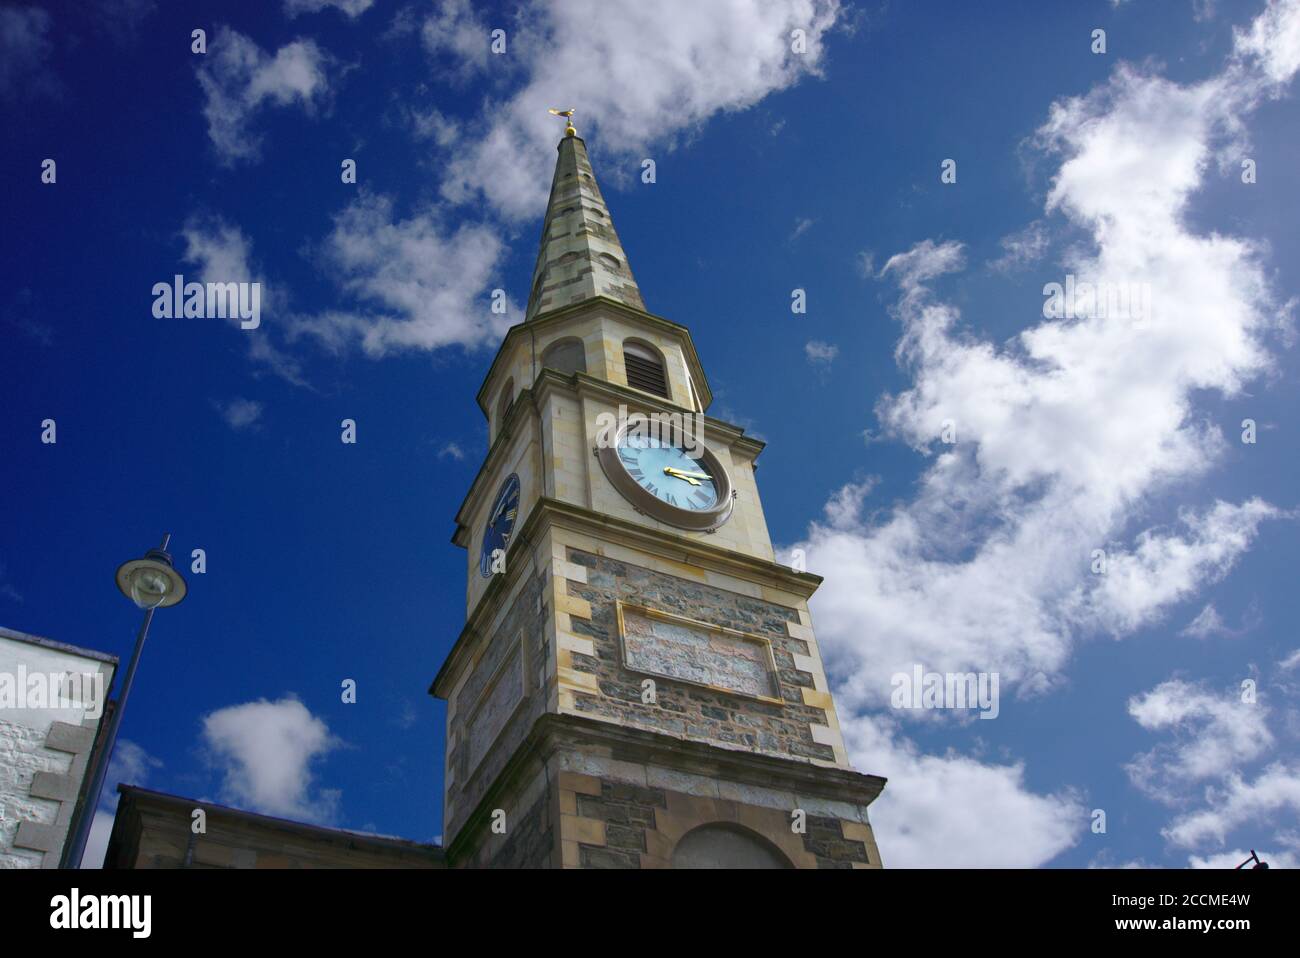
(682, 709)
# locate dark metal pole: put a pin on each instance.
(72, 859)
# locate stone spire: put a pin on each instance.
(581, 256)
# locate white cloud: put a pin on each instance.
(1213, 734)
(820, 353)
(240, 413)
(223, 254)
(1207, 623)
(431, 124)
(1066, 438)
(1204, 768)
(1161, 570)
(453, 31)
(1234, 858)
(1272, 41)
(639, 74)
(953, 811)
(351, 8)
(239, 79)
(1022, 248)
(1210, 624)
(25, 48)
(131, 765)
(801, 225)
(1237, 803)
(1067, 434)
(427, 285)
(265, 751)
(221, 251)
(451, 450)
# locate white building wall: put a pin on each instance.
(44, 752)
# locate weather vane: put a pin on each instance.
(568, 120)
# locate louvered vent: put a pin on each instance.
(645, 370)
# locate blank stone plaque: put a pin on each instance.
(673, 647)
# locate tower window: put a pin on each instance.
(645, 368)
(566, 356)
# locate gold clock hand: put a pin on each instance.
(690, 477)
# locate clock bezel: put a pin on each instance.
(704, 520)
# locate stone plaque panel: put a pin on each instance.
(714, 656)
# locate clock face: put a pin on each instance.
(668, 473)
(500, 523)
(663, 480)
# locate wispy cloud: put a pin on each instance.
(350, 8)
(801, 225)
(422, 283)
(25, 49)
(1022, 248)
(239, 80)
(819, 353)
(239, 413)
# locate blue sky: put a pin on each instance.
(776, 170)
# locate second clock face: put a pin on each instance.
(668, 473)
(663, 480)
(500, 523)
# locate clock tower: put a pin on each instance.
(637, 683)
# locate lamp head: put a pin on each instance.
(152, 582)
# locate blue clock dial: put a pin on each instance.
(668, 473)
(500, 523)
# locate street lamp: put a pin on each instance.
(151, 583)
(1253, 858)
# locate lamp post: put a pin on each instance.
(151, 583)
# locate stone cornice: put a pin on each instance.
(671, 545)
(553, 732)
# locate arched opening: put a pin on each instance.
(727, 846)
(645, 368)
(566, 356)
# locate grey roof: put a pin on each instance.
(57, 646)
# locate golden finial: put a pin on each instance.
(568, 120)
